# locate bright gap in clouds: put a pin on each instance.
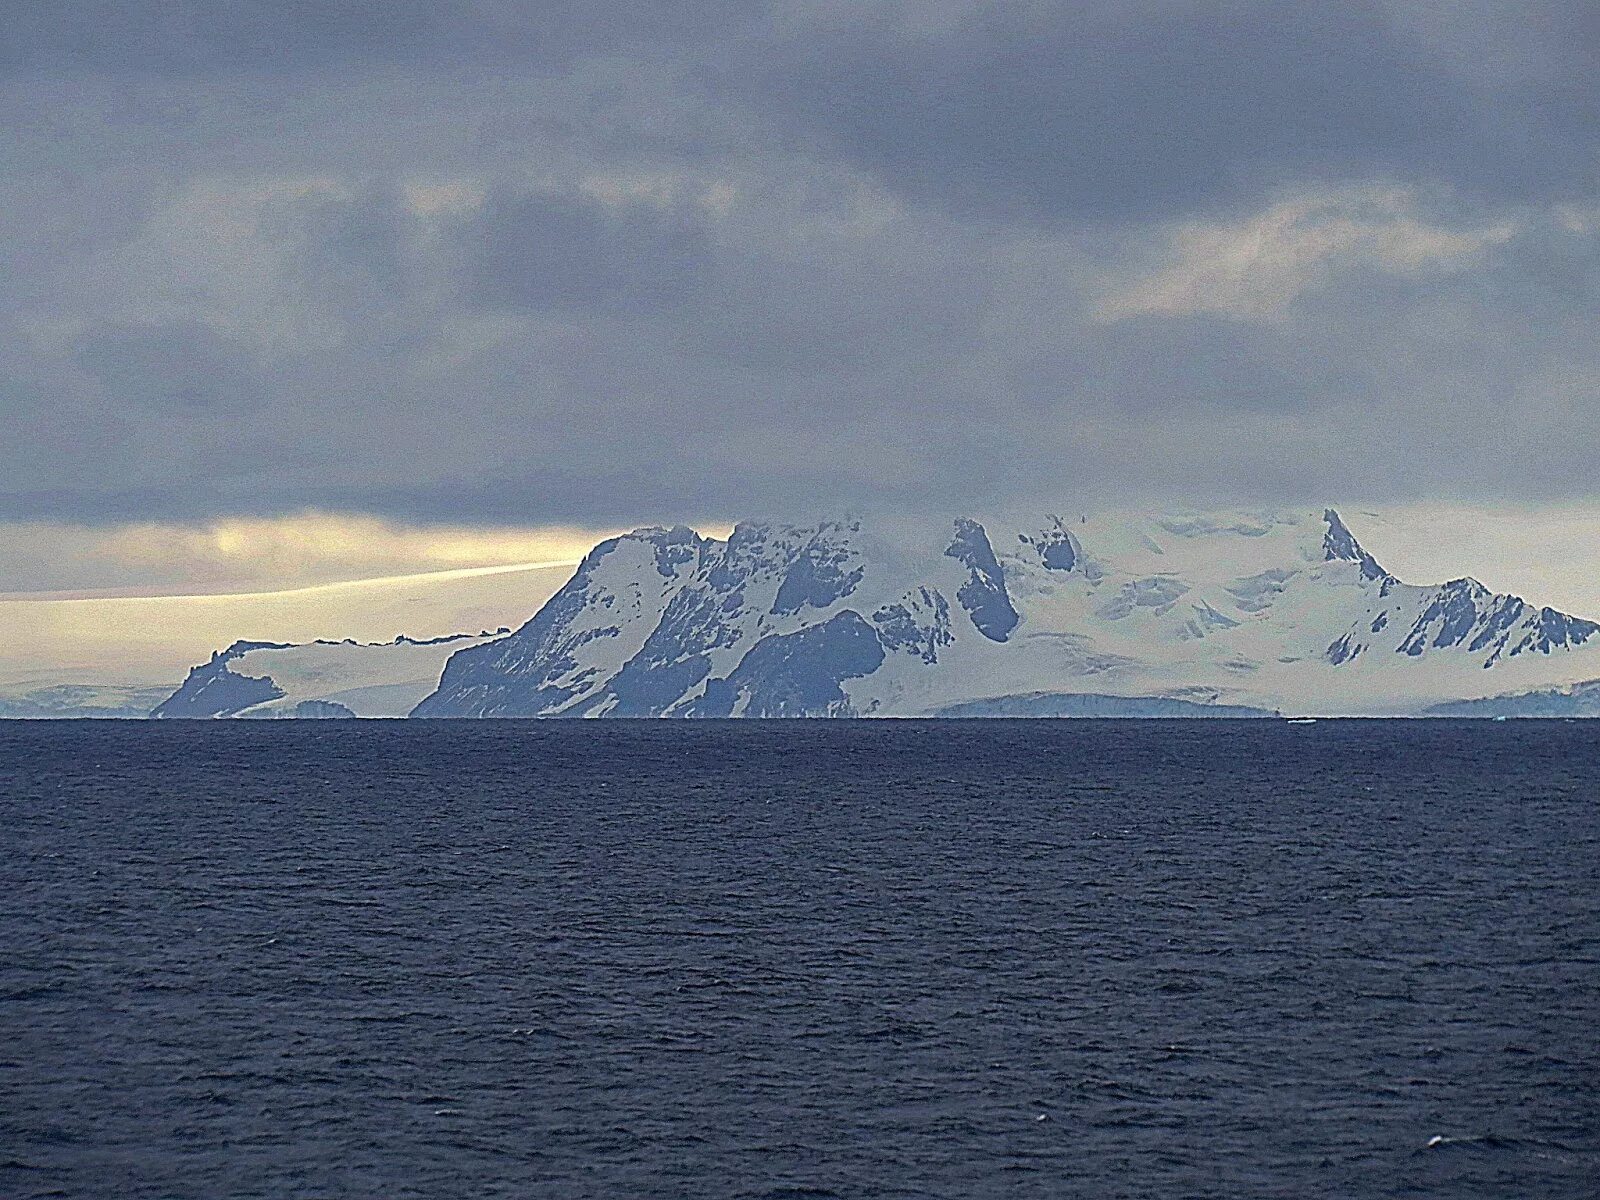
(149, 640)
(1254, 268)
(262, 554)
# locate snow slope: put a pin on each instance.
(317, 679)
(1264, 611)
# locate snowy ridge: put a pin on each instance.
(1124, 612)
(316, 679)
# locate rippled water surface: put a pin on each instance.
(1031, 959)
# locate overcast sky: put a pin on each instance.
(592, 264)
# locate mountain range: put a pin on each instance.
(1116, 614)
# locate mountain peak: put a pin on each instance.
(1340, 545)
(931, 615)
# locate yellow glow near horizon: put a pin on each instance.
(156, 639)
(265, 554)
(329, 547)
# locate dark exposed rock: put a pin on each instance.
(984, 594)
(1058, 550)
(1339, 544)
(534, 671)
(212, 690)
(1464, 613)
(919, 625)
(826, 570)
(797, 674)
(1343, 650)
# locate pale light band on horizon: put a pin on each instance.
(88, 596)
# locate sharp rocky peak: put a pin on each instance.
(1340, 545)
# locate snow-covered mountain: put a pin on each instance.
(316, 679)
(1120, 613)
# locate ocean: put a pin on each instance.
(809, 959)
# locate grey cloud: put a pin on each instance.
(1117, 111)
(861, 268)
(339, 240)
(186, 367)
(736, 289)
(555, 252)
(844, 301)
(592, 410)
(280, 36)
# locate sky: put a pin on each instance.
(353, 289)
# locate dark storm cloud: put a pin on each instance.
(185, 366)
(286, 36)
(1135, 108)
(598, 263)
(339, 241)
(737, 292)
(540, 252)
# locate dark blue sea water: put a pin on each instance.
(1047, 959)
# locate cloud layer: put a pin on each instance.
(562, 263)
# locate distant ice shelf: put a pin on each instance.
(317, 679)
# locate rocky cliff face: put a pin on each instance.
(1136, 613)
